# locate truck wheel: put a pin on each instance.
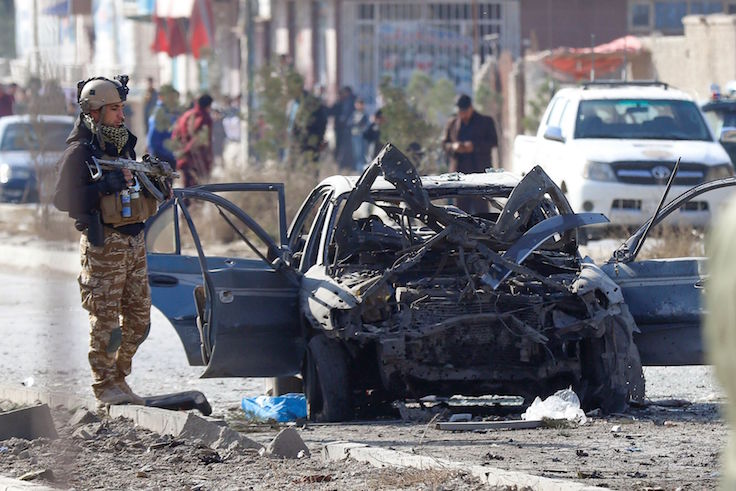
(326, 381)
(612, 372)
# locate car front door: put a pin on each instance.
(665, 295)
(235, 311)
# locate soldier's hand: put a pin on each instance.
(112, 181)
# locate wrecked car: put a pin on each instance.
(381, 289)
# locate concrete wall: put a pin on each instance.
(704, 55)
(553, 23)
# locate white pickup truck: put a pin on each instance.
(612, 146)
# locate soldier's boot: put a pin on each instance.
(112, 394)
(134, 398)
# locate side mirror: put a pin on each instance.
(554, 133)
(728, 134)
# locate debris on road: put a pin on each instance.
(489, 425)
(563, 404)
(287, 445)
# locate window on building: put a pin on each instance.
(705, 7)
(731, 8)
(640, 15)
(668, 15)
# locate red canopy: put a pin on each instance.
(576, 63)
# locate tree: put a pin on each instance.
(536, 106)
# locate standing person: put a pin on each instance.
(358, 125)
(372, 135)
(161, 124)
(150, 100)
(113, 281)
(7, 101)
(719, 329)
(192, 137)
(469, 139)
(343, 115)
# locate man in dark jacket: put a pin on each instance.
(109, 211)
(469, 139)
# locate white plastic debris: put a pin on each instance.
(563, 404)
(28, 382)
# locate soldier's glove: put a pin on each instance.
(112, 181)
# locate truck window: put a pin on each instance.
(648, 119)
(555, 115)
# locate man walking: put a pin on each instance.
(113, 281)
(469, 139)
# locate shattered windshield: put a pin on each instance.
(648, 119)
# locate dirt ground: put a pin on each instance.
(653, 448)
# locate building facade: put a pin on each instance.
(357, 42)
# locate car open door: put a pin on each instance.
(665, 295)
(237, 313)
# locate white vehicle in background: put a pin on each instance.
(611, 147)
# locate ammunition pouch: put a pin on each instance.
(141, 209)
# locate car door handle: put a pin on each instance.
(700, 284)
(162, 280)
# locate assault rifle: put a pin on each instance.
(155, 174)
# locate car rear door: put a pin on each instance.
(665, 295)
(235, 312)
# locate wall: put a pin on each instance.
(553, 23)
(703, 55)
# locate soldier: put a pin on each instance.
(113, 281)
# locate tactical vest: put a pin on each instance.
(141, 208)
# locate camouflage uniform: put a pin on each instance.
(720, 324)
(113, 280)
(114, 287)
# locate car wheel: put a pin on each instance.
(326, 381)
(611, 368)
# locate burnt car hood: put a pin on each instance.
(517, 239)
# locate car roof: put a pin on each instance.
(344, 184)
(26, 118)
(624, 92)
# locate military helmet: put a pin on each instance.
(96, 92)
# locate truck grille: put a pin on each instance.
(651, 173)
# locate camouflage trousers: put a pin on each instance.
(114, 288)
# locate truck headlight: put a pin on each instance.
(598, 171)
(6, 172)
(719, 172)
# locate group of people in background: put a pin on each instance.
(182, 138)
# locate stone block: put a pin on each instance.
(28, 423)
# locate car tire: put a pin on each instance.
(611, 367)
(326, 381)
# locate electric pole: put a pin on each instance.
(247, 11)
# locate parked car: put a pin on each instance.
(611, 146)
(721, 114)
(380, 289)
(29, 149)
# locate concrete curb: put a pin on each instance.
(161, 421)
(381, 457)
(9, 484)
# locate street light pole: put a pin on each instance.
(246, 76)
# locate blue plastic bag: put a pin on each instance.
(284, 408)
